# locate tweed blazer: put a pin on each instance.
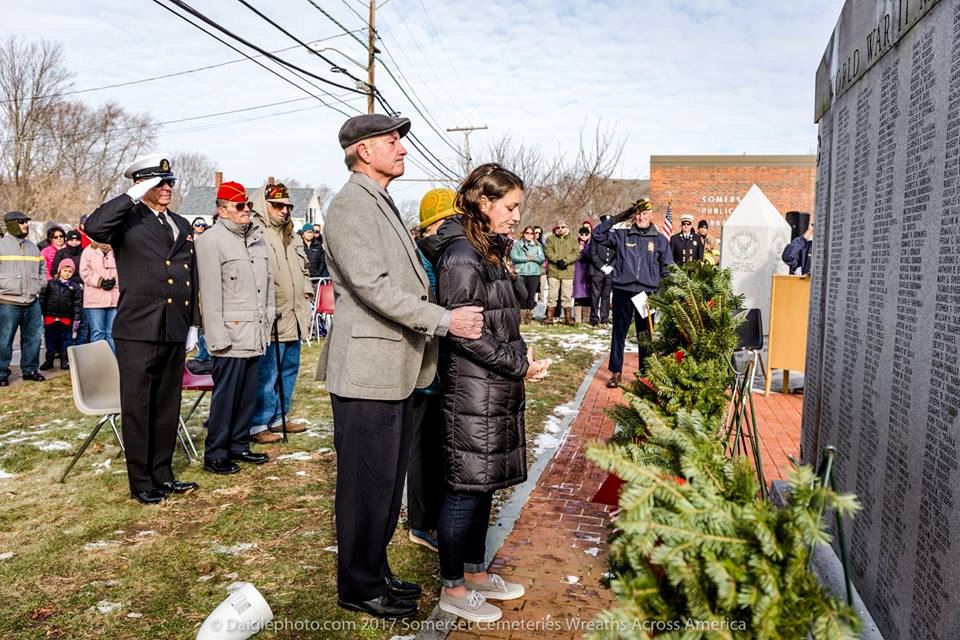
(381, 345)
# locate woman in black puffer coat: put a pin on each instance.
(483, 394)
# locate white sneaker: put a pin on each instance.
(496, 588)
(473, 607)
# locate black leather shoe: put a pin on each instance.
(4, 382)
(403, 589)
(34, 377)
(223, 467)
(614, 381)
(151, 496)
(386, 606)
(176, 486)
(249, 456)
(47, 365)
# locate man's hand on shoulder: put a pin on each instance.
(466, 322)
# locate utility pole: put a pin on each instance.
(371, 50)
(466, 131)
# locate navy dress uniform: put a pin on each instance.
(157, 307)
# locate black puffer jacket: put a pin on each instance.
(316, 258)
(62, 300)
(483, 394)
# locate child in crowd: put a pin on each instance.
(61, 302)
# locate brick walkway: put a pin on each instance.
(558, 548)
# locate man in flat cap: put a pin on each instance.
(382, 346)
(22, 276)
(156, 314)
(642, 258)
(686, 246)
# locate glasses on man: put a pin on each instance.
(170, 182)
(685, 224)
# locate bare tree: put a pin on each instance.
(559, 187)
(31, 78)
(192, 169)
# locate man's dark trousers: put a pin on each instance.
(372, 438)
(600, 286)
(151, 374)
(231, 407)
(623, 311)
(425, 484)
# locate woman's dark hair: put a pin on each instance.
(52, 229)
(490, 180)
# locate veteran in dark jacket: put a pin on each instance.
(483, 392)
(643, 257)
(156, 313)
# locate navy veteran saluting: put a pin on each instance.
(157, 313)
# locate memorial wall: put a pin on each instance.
(882, 375)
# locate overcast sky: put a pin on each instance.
(678, 77)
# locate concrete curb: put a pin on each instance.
(438, 624)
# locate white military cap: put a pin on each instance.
(151, 166)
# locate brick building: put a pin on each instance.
(710, 187)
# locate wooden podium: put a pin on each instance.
(787, 341)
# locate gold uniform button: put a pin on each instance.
(168, 262)
(186, 303)
(169, 280)
(169, 300)
(186, 266)
(188, 283)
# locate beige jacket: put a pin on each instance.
(379, 346)
(236, 290)
(291, 278)
(23, 271)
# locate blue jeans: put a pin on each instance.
(202, 354)
(462, 534)
(101, 324)
(30, 322)
(267, 413)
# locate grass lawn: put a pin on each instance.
(89, 562)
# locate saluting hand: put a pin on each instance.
(466, 322)
(137, 191)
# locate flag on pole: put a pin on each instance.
(667, 223)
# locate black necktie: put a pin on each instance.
(166, 225)
(393, 206)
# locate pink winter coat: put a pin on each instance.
(48, 252)
(95, 266)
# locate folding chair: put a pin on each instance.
(95, 378)
(192, 382)
(323, 310)
(742, 431)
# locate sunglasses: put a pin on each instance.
(57, 236)
(199, 224)
(685, 224)
(528, 233)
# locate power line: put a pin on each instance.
(243, 53)
(442, 46)
(165, 76)
(335, 67)
(354, 11)
(186, 7)
(337, 22)
(417, 144)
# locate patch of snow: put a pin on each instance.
(207, 578)
(4, 475)
(6, 555)
(233, 586)
(403, 638)
(272, 478)
(544, 442)
(552, 425)
(323, 450)
(102, 467)
(572, 579)
(99, 544)
(134, 615)
(231, 576)
(235, 549)
(119, 532)
(54, 445)
(332, 549)
(593, 551)
(566, 410)
(301, 473)
(106, 607)
(297, 456)
(146, 534)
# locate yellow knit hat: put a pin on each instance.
(436, 204)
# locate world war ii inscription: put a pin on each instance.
(883, 379)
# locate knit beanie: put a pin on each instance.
(436, 205)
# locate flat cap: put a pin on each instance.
(151, 166)
(16, 216)
(371, 125)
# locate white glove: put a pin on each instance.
(137, 191)
(607, 269)
(192, 335)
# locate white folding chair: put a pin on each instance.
(95, 378)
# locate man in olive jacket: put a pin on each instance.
(562, 251)
(237, 299)
(379, 349)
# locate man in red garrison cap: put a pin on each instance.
(237, 301)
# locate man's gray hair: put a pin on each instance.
(350, 156)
